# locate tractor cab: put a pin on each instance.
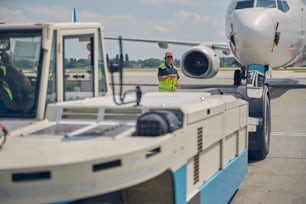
(49, 63)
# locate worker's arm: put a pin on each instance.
(162, 78)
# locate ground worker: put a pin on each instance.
(168, 77)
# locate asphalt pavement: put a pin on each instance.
(281, 177)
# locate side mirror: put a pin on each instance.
(255, 80)
(4, 44)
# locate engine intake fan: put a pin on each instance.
(200, 62)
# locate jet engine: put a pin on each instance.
(200, 62)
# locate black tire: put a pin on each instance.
(237, 77)
(259, 141)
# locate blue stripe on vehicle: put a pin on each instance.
(180, 185)
(222, 186)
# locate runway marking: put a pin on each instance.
(294, 134)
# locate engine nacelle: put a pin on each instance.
(200, 62)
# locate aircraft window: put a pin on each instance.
(282, 5)
(266, 3)
(245, 4)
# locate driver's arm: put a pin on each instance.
(6, 59)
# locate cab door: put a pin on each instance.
(75, 71)
(80, 64)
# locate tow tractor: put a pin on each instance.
(70, 139)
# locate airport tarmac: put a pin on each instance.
(281, 177)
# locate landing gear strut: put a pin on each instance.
(239, 74)
(256, 92)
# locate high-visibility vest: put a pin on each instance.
(4, 85)
(167, 84)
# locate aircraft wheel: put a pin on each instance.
(259, 141)
(237, 77)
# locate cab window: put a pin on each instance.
(101, 70)
(78, 68)
(19, 70)
(245, 4)
(51, 93)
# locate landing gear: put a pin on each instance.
(237, 77)
(256, 92)
(259, 141)
(239, 74)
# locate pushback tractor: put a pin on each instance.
(70, 141)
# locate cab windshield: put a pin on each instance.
(20, 54)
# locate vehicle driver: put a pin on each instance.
(168, 77)
(15, 83)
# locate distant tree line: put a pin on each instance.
(140, 63)
(155, 62)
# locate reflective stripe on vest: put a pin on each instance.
(167, 85)
(4, 84)
(8, 91)
(3, 68)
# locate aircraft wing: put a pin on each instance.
(164, 44)
(200, 61)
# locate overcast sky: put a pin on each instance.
(186, 20)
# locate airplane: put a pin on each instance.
(261, 35)
(267, 32)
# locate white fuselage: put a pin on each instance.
(251, 32)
